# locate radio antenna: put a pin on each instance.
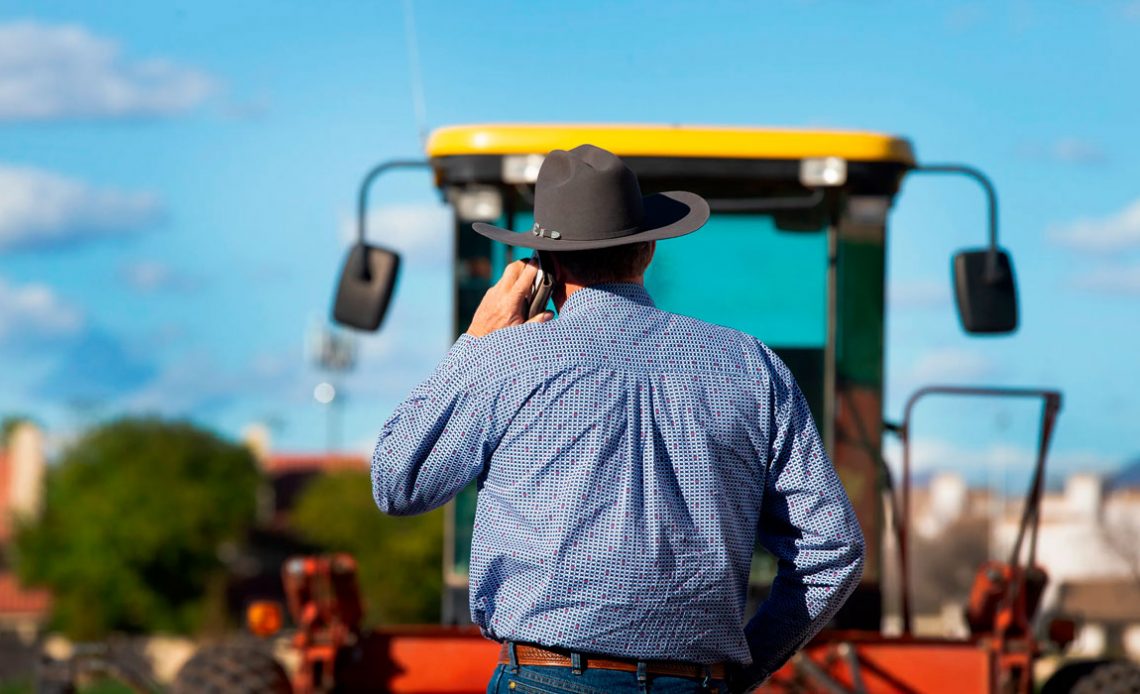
(418, 102)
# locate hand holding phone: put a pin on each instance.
(543, 285)
(508, 303)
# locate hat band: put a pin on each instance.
(542, 232)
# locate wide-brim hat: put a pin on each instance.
(588, 198)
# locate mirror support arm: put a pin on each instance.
(366, 185)
(991, 201)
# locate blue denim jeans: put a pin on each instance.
(542, 679)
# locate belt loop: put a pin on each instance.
(642, 672)
(513, 656)
(576, 662)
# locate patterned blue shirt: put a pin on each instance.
(627, 461)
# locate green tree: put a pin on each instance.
(8, 425)
(399, 559)
(134, 516)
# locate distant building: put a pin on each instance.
(287, 474)
(1089, 544)
(22, 467)
(947, 500)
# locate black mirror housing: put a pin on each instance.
(367, 282)
(985, 291)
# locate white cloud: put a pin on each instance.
(151, 276)
(1067, 150)
(60, 71)
(1109, 234)
(146, 275)
(81, 363)
(1112, 280)
(918, 294)
(964, 17)
(197, 383)
(423, 231)
(1076, 151)
(951, 365)
(33, 312)
(42, 209)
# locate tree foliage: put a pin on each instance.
(135, 513)
(399, 559)
(9, 424)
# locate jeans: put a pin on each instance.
(542, 679)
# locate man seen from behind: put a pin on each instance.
(628, 460)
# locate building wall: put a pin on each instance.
(22, 468)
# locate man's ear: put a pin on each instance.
(550, 262)
(648, 261)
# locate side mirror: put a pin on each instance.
(366, 285)
(985, 290)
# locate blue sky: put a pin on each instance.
(177, 181)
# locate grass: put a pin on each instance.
(27, 686)
(106, 687)
(20, 686)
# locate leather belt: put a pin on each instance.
(535, 655)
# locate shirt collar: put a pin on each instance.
(608, 294)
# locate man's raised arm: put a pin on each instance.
(432, 445)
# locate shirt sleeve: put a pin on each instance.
(808, 523)
(432, 445)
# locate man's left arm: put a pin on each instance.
(808, 524)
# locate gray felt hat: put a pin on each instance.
(588, 198)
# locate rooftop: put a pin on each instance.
(672, 141)
(284, 463)
(17, 600)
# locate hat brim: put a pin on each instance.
(667, 215)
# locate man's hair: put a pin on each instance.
(612, 264)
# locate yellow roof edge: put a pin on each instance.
(632, 140)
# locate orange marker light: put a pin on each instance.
(263, 617)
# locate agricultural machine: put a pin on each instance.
(805, 213)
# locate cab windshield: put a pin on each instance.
(740, 271)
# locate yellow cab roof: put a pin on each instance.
(713, 142)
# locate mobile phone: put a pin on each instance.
(543, 285)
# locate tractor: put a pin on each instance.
(802, 209)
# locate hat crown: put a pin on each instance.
(587, 198)
(586, 193)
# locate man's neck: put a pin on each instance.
(564, 290)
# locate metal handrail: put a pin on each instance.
(1052, 405)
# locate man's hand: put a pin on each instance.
(506, 303)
